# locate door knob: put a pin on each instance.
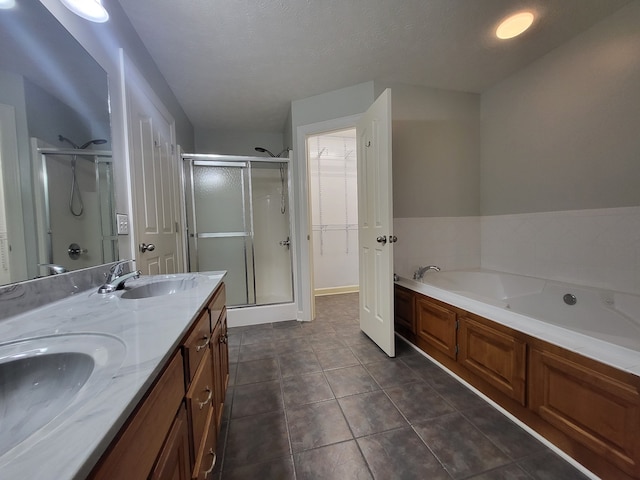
(285, 243)
(144, 247)
(381, 239)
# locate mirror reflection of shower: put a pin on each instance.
(75, 189)
(77, 231)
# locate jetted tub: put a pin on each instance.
(563, 308)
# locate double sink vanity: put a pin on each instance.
(128, 384)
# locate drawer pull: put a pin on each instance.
(213, 463)
(204, 345)
(224, 338)
(210, 392)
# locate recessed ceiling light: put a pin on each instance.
(91, 10)
(6, 4)
(514, 25)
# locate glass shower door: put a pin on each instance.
(223, 225)
(239, 222)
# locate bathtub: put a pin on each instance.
(601, 324)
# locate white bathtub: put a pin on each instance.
(606, 316)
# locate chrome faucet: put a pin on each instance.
(54, 269)
(116, 277)
(421, 271)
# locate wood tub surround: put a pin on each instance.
(172, 434)
(588, 409)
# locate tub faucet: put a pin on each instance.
(116, 278)
(421, 271)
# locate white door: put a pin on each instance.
(155, 169)
(375, 222)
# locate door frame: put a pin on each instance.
(304, 264)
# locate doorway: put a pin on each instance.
(333, 199)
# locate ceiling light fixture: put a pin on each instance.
(6, 4)
(91, 10)
(514, 25)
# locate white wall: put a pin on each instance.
(560, 169)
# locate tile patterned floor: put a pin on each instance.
(319, 400)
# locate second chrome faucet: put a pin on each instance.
(419, 273)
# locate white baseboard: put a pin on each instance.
(319, 292)
(243, 316)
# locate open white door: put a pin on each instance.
(375, 222)
(154, 175)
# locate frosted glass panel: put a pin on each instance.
(271, 226)
(226, 254)
(219, 199)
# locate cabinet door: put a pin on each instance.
(217, 342)
(494, 355)
(594, 404)
(404, 318)
(436, 326)
(173, 462)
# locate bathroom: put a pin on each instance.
(565, 207)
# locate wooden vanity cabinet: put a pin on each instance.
(173, 432)
(404, 317)
(174, 461)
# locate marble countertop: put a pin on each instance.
(616, 356)
(141, 335)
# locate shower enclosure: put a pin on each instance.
(238, 220)
(74, 207)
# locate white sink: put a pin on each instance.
(159, 288)
(41, 378)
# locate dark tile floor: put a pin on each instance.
(319, 400)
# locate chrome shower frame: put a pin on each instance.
(193, 234)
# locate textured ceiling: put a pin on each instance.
(237, 64)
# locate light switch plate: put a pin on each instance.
(122, 220)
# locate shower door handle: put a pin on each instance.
(285, 243)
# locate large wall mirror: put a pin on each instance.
(56, 194)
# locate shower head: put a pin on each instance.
(264, 150)
(96, 141)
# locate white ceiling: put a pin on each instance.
(237, 65)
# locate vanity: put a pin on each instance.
(142, 388)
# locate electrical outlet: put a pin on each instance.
(122, 221)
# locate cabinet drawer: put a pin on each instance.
(206, 455)
(216, 305)
(195, 346)
(199, 399)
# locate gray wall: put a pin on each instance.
(436, 152)
(562, 134)
(236, 142)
